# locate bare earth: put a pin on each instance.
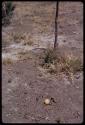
(25, 84)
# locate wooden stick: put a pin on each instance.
(56, 23)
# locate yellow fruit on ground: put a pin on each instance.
(47, 101)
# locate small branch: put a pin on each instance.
(56, 23)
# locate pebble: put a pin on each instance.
(77, 87)
(47, 118)
(9, 69)
(77, 76)
(9, 81)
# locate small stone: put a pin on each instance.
(47, 118)
(64, 41)
(9, 81)
(53, 100)
(77, 76)
(37, 99)
(9, 90)
(75, 32)
(9, 69)
(58, 120)
(8, 114)
(77, 87)
(15, 109)
(25, 92)
(76, 114)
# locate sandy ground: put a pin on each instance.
(24, 84)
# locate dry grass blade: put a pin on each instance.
(57, 62)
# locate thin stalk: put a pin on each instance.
(56, 23)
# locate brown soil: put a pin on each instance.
(25, 85)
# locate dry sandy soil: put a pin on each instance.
(25, 85)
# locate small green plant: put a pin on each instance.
(50, 56)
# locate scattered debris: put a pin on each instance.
(47, 118)
(77, 76)
(76, 114)
(9, 81)
(53, 100)
(58, 120)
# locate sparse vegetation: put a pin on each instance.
(24, 55)
(50, 56)
(23, 37)
(29, 42)
(18, 37)
(41, 84)
(7, 11)
(7, 61)
(56, 62)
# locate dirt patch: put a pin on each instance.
(25, 85)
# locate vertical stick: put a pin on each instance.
(56, 22)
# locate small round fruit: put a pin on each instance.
(47, 101)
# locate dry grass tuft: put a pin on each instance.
(7, 61)
(24, 55)
(57, 62)
(23, 37)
